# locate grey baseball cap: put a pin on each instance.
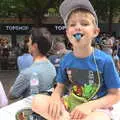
(68, 6)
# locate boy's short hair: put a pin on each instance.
(44, 44)
(82, 12)
(68, 6)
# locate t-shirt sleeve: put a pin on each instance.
(61, 76)
(111, 76)
(19, 86)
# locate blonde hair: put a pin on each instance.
(85, 13)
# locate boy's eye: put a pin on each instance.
(72, 24)
(84, 24)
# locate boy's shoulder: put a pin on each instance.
(101, 55)
(68, 55)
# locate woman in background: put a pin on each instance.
(25, 60)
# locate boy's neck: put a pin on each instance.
(84, 52)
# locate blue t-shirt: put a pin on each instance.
(98, 68)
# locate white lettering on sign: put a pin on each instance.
(60, 28)
(17, 28)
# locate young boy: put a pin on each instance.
(88, 73)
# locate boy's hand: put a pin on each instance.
(55, 107)
(81, 111)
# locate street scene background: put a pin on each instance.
(7, 77)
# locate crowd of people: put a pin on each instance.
(9, 54)
(86, 76)
(110, 45)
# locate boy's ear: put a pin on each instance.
(97, 31)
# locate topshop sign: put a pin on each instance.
(56, 28)
(23, 28)
(6, 28)
(60, 27)
(16, 28)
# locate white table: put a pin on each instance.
(9, 112)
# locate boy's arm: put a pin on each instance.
(58, 90)
(105, 102)
(55, 104)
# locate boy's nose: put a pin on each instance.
(78, 27)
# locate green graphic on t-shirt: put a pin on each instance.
(84, 86)
(85, 91)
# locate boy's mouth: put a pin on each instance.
(78, 36)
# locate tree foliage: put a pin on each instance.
(34, 9)
(106, 9)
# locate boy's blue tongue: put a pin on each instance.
(78, 36)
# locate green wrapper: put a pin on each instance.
(72, 101)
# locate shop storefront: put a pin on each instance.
(10, 35)
(14, 33)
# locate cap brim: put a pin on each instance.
(69, 5)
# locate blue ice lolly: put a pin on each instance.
(78, 36)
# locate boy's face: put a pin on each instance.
(83, 23)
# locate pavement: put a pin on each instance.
(7, 77)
